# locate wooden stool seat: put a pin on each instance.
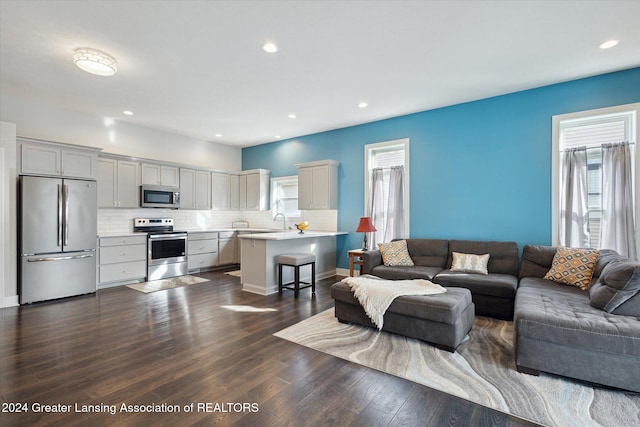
(296, 260)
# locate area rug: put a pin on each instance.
(236, 273)
(164, 284)
(481, 371)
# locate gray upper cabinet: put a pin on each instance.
(234, 191)
(156, 174)
(195, 189)
(118, 183)
(220, 191)
(58, 160)
(225, 191)
(318, 185)
(254, 190)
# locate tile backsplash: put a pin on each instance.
(121, 220)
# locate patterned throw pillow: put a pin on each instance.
(573, 267)
(470, 263)
(395, 253)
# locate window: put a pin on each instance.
(385, 156)
(284, 196)
(592, 129)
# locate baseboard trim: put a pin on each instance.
(10, 301)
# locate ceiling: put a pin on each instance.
(196, 68)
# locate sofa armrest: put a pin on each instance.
(370, 259)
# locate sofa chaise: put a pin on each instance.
(562, 329)
(493, 294)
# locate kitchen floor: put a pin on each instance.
(209, 344)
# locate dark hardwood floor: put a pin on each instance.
(208, 343)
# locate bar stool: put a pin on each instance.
(296, 261)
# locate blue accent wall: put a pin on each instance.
(479, 170)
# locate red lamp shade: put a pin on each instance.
(365, 226)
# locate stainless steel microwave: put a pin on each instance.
(159, 196)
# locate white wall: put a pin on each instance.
(42, 121)
(8, 218)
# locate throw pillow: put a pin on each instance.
(470, 263)
(618, 283)
(573, 267)
(395, 253)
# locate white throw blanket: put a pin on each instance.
(376, 295)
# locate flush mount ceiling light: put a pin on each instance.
(218, 135)
(270, 47)
(95, 61)
(608, 44)
(363, 105)
(127, 113)
(292, 116)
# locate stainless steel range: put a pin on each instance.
(167, 248)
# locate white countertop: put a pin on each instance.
(291, 235)
(199, 230)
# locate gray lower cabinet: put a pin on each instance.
(227, 253)
(202, 250)
(121, 260)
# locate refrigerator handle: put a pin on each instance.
(66, 214)
(60, 258)
(60, 215)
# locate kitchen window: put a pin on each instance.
(284, 196)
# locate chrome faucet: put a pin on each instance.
(284, 220)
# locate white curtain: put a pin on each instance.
(617, 230)
(388, 220)
(394, 227)
(574, 224)
(376, 207)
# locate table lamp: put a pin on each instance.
(365, 226)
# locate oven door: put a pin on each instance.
(167, 248)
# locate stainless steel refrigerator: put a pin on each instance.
(57, 238)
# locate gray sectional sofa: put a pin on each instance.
(493, 294)
(591, 335)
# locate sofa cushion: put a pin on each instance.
(536, 260)
(562, 315)
(469, 263)
(429, 252)
(395, 253)
(504, 255)
(573, 267)
(618, 282)
(494, 284)
(400, 273)
(606, 256)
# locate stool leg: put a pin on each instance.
(313, 277)
(297, 281)
(279, 279)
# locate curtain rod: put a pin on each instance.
(597, 147)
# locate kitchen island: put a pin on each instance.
(258, 252)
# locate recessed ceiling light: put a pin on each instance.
(363, 105)
(218, 135)
(292, 116)
(270, 47)
(95, 61)
(127, 113)
(277, 136)
(608, 44)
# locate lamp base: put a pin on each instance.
(365, 245)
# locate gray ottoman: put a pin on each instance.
(443, 319)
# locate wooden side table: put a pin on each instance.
(355, 258)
